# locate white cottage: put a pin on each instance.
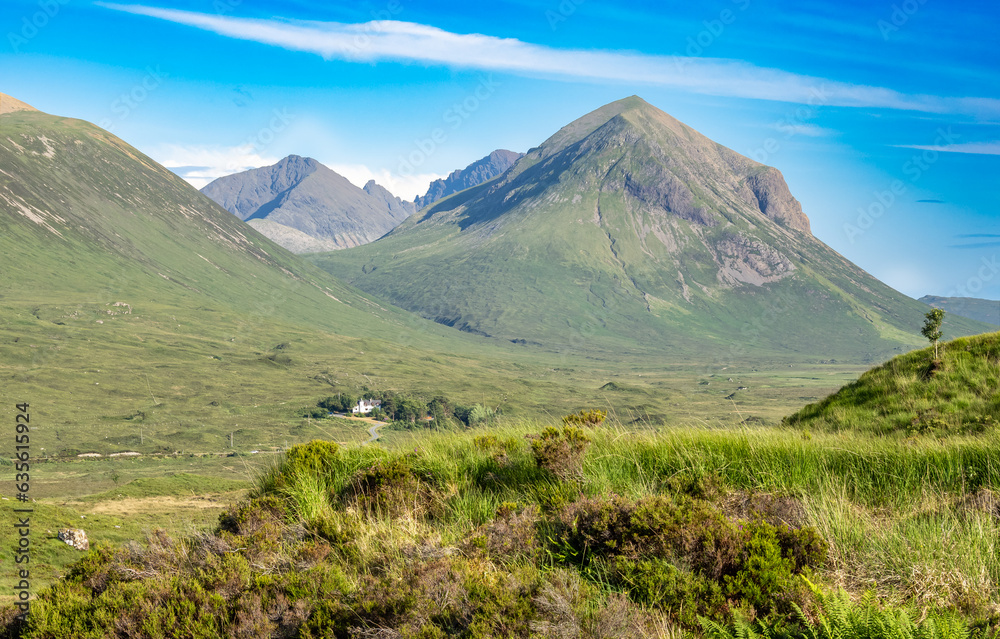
(366, 406)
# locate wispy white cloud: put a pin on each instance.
(199, 165)
(405, 41)
(405, 187)
(974, 148)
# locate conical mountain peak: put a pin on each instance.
(633, 108)
(663, 167)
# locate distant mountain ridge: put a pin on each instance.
(973, 308)
(301, 194)
(489, 167)
(629, 232)
(307, 208)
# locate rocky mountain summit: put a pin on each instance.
(483, 170)
(300, 194)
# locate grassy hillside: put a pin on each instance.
(915, 393)
(548, 532)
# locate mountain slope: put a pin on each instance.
(302, 194)
(629, 232)
(489, 167)
(970, 307)
(397, 207)
(131, 301)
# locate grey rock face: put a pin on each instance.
(489, 167)
(395, 205)
(301, 194)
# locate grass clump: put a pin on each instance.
(585, 418)
(667, 554)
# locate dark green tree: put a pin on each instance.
(932, 327)
(342, 403)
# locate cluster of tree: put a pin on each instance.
(341, 403)
(407, 411)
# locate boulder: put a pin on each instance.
(75, 537)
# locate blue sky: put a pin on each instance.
(883, 116)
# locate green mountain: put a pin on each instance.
(95, 222)
(629, 233)
(970, 307)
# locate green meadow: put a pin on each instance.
(533, 528)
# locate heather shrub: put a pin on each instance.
(441, 597)
(389, 487)
(671, 554)
(693, 531)
(585, 418)
(561, 451)
(763, 575)
(316, 457)
(593, 526)
(258, 524)
(512, 535)
(254, 515)
(657, 583)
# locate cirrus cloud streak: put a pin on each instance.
(416, 43)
